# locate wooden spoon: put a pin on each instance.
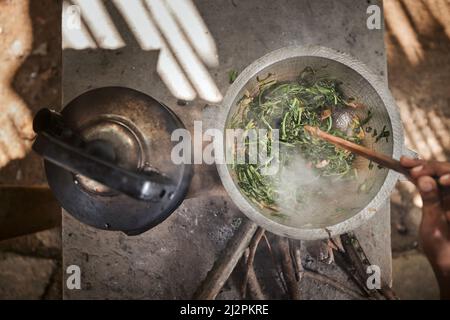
(367, 153)
(376, 157)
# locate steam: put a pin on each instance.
(305, 198)
(296, 183)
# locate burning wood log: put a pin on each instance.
(253, 286)
(288, 268)
(354, 262)
(251, 257)
(222, 268)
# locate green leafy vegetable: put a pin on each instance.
(367, 119)
(232, 75)
(289, 106)
(383, 134)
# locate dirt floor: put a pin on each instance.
(418, 47)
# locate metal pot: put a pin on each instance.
(108, 159)
(358, 81)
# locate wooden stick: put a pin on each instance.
(224, 266)
(341, 259)
(359, 260)
(295, 245)
(254, 287)
(355, 257)
(275, 264)
(367, 153)
(288, 268)
(376, 157)
(251, 257)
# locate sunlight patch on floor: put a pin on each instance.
(174, 27)
(399, 25)
(149, 38)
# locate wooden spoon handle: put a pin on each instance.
(365, 152)
(376, 157)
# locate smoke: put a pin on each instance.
(295, 184)
(307, 199)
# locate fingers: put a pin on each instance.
(421, 168)
(434, 225)
(445, 180)
(430, 168)
(433, 213)
(13, 145)
(428, 189)
(410, 162)
(16, 129)
(4, 159)
(22, 119)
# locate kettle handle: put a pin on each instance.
(53, 143)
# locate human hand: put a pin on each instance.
(15, 118)
(431, 177)
(16, 131)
